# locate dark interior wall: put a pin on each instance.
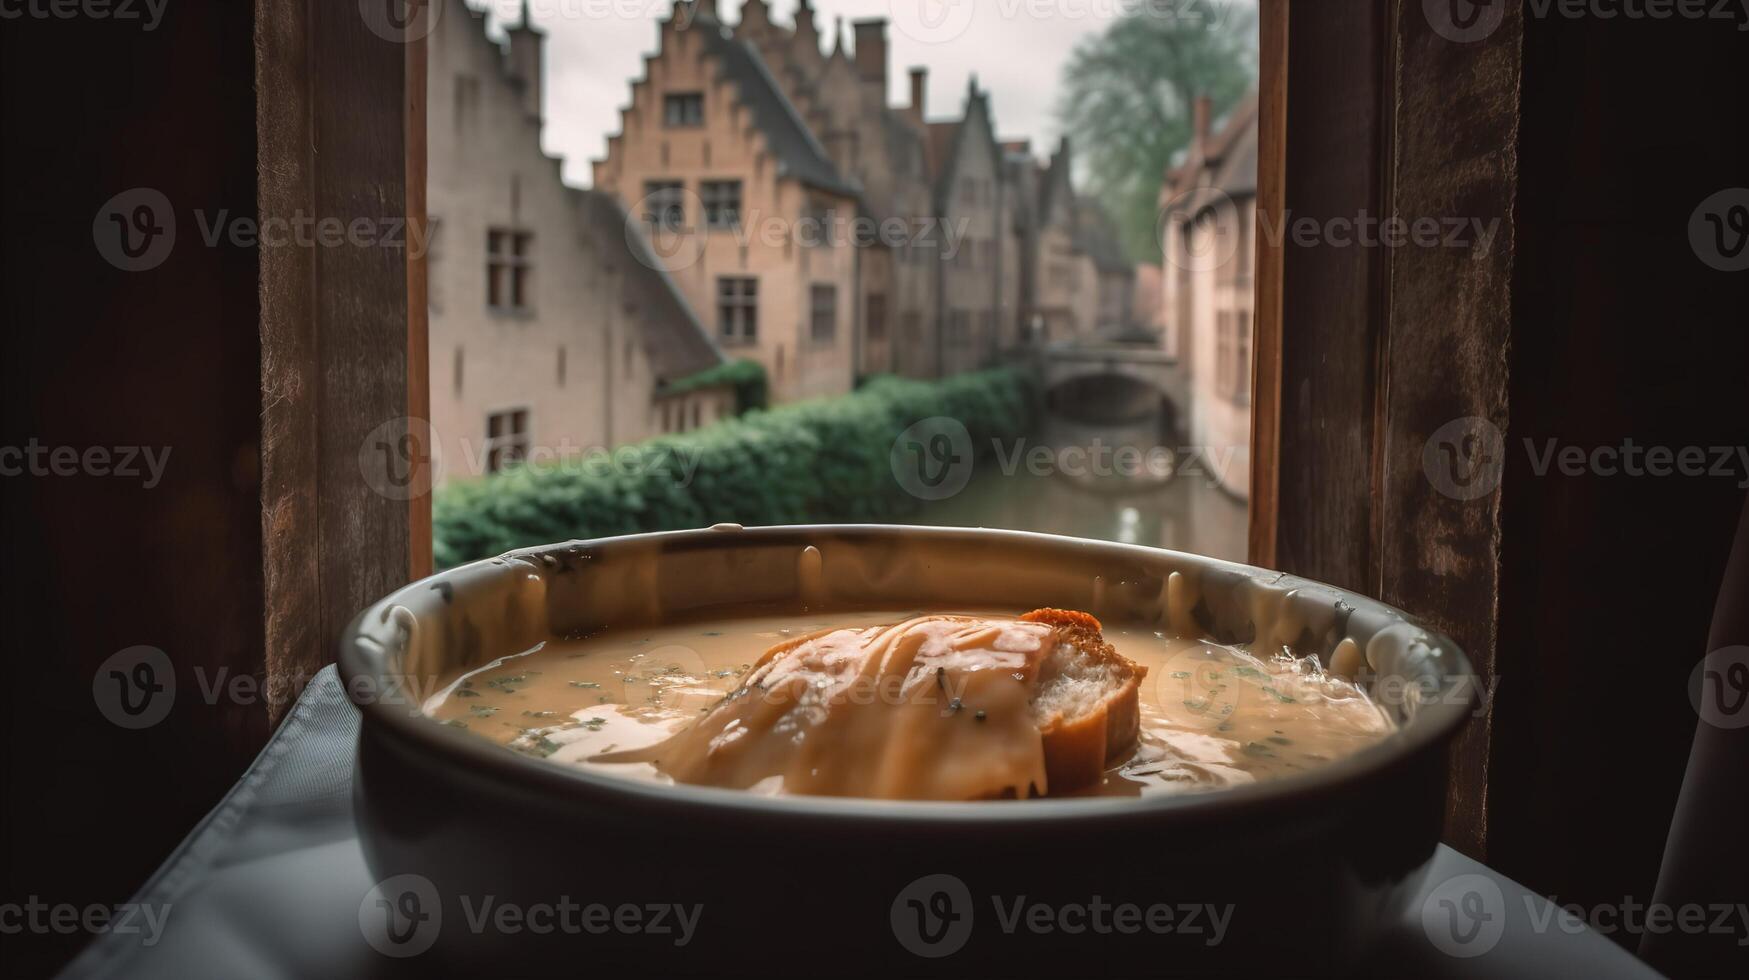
(1620, 332)
(99, 357)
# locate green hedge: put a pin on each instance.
(747, 377)
(820, 461)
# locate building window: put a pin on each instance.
(738, 309)
(877, 317)
(561, 367)
(509, 270)
(506, 438)
(722, 203)
(665, 203)
(458, 370)
(824, 317)
(683, 109)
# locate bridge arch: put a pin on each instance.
(1119, 387)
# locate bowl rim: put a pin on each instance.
(1434, 722)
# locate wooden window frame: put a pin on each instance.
(344, 331)
(670, 100)
(818, 310)
(515, 265)
(506, 438)
(670, 197)
(720, 196)
(1338, 493)
(738, 310)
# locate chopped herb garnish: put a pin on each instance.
(588, 684)
(456, 723)
(1181, 673)
(1277, 739)
(1196, 705)
(1283, 698)
(595, 724)
(462, 692)
(979, 715)
(1257, 748)
(1248, 672)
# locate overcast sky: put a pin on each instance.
(1017, 49)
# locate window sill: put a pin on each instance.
(737, 342)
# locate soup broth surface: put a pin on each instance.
(1212, 715)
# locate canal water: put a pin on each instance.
(1186, 512)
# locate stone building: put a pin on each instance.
(1063, 290)
(843, 99)
(721, 172)
(1209, 203)
(549, 334)
(944, 248)
(1111, 274)
(976, 294)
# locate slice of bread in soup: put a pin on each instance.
(935, 708)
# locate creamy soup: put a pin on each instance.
(1211, 715)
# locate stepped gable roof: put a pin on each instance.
(799, 154)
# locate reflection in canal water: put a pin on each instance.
(1187, 513)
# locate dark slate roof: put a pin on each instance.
(674, 340)
(1230, 158)
(942, 136)
(1237, 171)
(1057, 174)
(909, 157)
(799, 154)
(947, 140)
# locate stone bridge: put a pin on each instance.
(1114, 384)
